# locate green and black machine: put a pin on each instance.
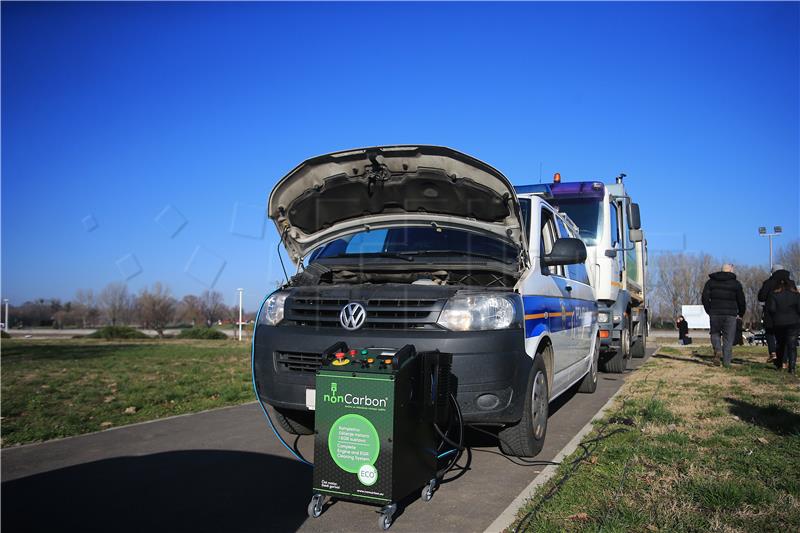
(375, 411)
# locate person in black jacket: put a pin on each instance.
(783, 304)
(723, 300)
(778, 273)
(683, 329)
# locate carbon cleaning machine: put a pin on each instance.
(375, 440)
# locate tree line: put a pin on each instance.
(151, 308)
(677, 279)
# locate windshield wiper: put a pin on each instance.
(405, 256)
(461, 252)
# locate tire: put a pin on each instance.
(526, 437)
(589, 382)
(638, 348)
(618, 363)
(295, 422)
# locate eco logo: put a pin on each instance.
(351, 399)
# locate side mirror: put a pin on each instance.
(566, 252)
(636, 235)
(634, 221)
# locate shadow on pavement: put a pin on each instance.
(196, 490)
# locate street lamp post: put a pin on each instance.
(776, 230)
(5, 324)
(240, 313)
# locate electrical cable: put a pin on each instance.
(258, 396)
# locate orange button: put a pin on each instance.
(387, 361)
(370, 360)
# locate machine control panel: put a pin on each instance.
(364, 359)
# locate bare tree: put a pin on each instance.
(679, 280)
(789, 257)
(86, 307)
(213, 306)
(115, 302)
(156, 308)
(190, 309)
(751, 278)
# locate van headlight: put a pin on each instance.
(602, 317)
(272, 310)
(478, 312)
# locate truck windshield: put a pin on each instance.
(413, 242)
(586, 213)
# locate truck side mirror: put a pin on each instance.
(634, 221)
(566, 251)
(635, 235)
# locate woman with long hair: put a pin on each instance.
(783, 304)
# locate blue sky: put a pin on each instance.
(120, 112)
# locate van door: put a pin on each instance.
(555, 279)
(580, 303)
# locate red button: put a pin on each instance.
(339, 355)
(353, 352)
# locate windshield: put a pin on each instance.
(585, 213)
(416, 241)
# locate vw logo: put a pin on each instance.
(352, 316)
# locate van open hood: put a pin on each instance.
(331, 195)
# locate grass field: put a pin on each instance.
(699, 448)
(60, 388)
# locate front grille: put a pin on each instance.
(298, 361)
(381, 313)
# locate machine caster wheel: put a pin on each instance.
(386, 518)
(427, 491)
(315, 505)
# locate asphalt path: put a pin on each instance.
(223, 471)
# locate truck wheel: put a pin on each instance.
(589, 381)
(637, 350)
(526, 437)
(295, 422)
(618, 363)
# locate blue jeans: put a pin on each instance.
(725, 326)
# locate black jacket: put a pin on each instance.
(683, 329)
(766, 288)
(784, 308)
(723, 295)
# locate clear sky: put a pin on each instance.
(114, 114)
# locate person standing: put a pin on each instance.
(778, 273)
(783, 303)
(723, 300)
(683, 329)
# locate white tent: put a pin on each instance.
(696, 316)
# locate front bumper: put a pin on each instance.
(484, 362)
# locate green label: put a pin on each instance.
(353, 442)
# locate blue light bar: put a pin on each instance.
(542, 189)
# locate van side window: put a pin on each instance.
(525, 209)
(548, 239)
(574, 272)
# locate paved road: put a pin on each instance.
(223, 471)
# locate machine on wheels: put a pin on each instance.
(374, 426)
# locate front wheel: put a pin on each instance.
(618, 363)
(526, 437)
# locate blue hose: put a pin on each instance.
(255, 389)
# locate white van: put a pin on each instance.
(428, 246)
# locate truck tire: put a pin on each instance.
(589, 381)
(526, 437)
(295, 422)
(638, 348)
(618, 363)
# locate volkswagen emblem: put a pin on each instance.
(352, 316)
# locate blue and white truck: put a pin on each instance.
(610, 225)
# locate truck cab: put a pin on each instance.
(428, 246)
